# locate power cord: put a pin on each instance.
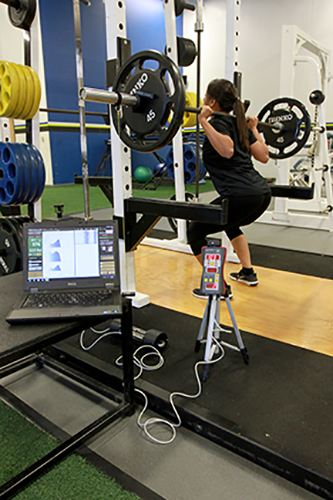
(143, 366)
(173, 395)
(102, 334)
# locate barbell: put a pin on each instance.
(149, 101)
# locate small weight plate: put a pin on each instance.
(12, 181)
(9, 88)
(29, 94)
(22, 92)
(316, 97)
(37, 163)
(37, 94)
(24, 15)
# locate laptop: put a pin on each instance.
(70, 271)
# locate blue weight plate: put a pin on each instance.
(12, 181)
(39, 165)
(33, 172)
(25, 162)
(169, 164)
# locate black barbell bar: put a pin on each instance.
(276, 125)
(121, 98)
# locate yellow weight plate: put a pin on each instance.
(37, 94)
(9, 88)
(30, 93)
(23, 91)
(190, 119)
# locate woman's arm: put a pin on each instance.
(223, 144)
(259, 150)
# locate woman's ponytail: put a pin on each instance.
(225, 93)
(241, 125)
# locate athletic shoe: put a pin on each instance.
(200, 295)
(248, 279)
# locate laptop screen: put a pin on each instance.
(70, 254)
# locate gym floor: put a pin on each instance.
(193, 467)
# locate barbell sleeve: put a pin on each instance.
(108, 97)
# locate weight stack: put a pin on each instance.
(22, 174)
(20, 91)
(11, 241)
(189, 156)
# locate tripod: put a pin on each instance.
(212, 283)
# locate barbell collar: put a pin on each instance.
(108, 97)
(321, 129)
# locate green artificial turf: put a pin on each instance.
(22, 443)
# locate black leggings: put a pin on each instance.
(242, 211)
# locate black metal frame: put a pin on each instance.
(126, 407)
(295, 192)
(125, 480)
(152, 210)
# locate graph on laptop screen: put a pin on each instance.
(55, 253)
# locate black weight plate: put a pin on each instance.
(144, 119)
(297, 126)
(10, 247)
(18, 221)
(157, 119)
(24, 15)
(18, 231)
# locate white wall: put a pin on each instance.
(261, 31)
(260, 43)
(260, 40)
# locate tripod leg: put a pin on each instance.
(209, 352)
(241, 345)
(216, 325)
(212, 313)
(203, 326)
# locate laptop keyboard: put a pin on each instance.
(60, 299)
